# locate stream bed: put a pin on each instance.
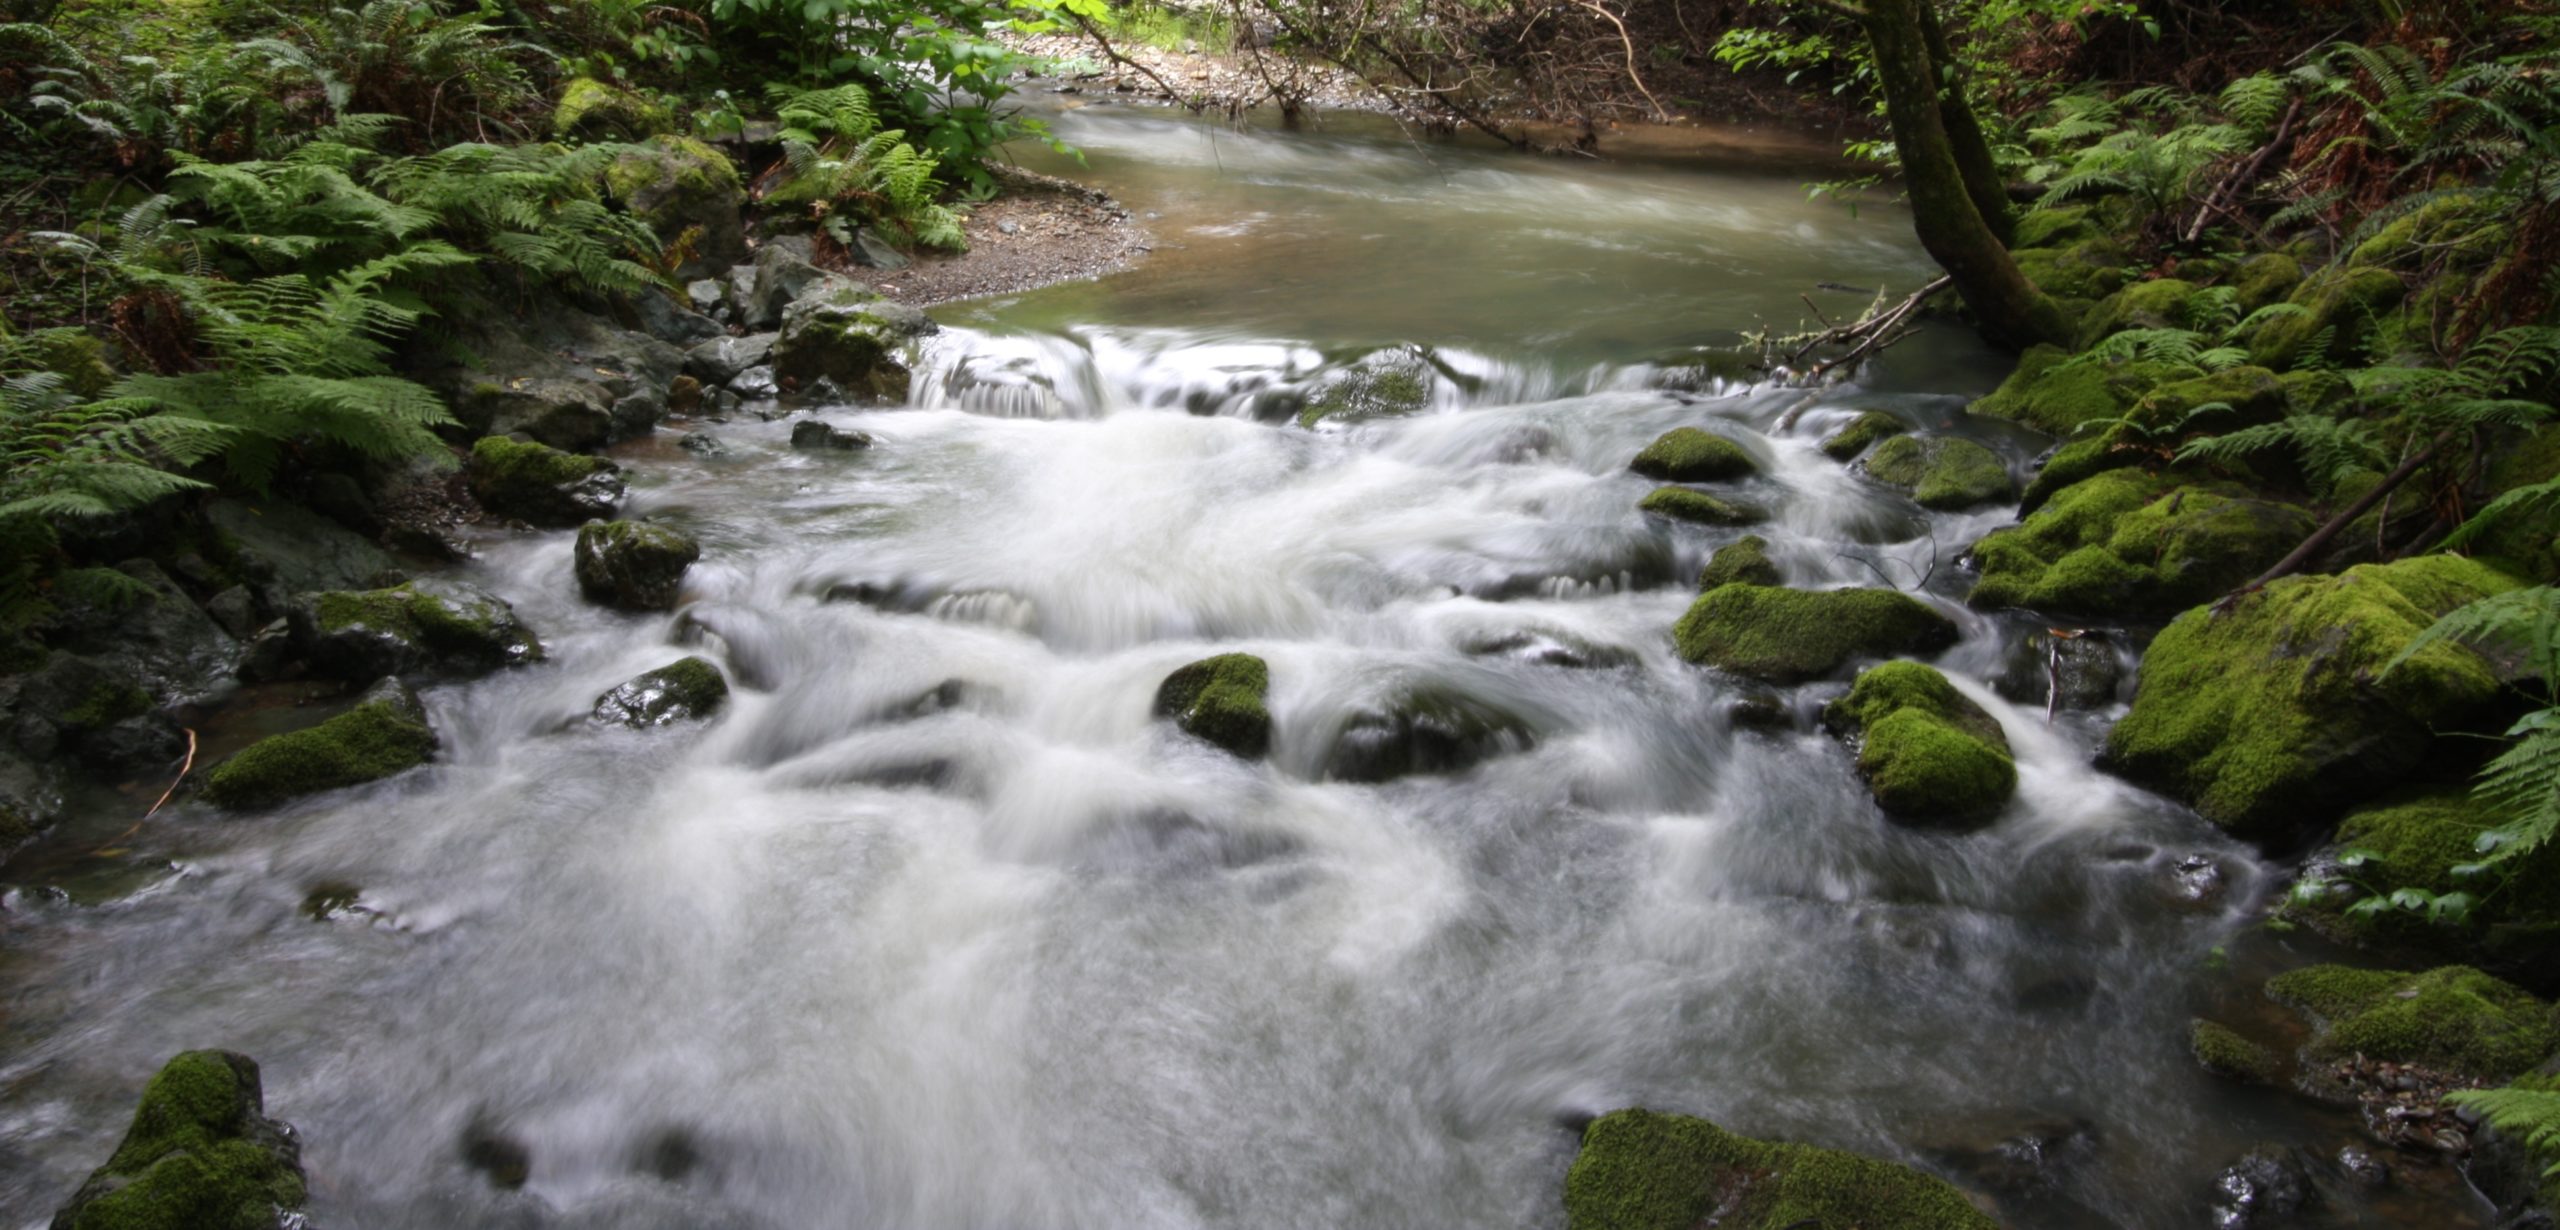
(935, 928)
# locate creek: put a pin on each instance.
(935, 928)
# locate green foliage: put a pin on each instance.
(450, 76)
(2522, 784)
(1222, 700)
(2531, 1115)
(846, 169)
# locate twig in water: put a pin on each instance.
(183, 769)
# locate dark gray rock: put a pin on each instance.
(684, 690)
(443, 627)
(633, 565)
(814, 434)
(2078, 673)
(159, 637)
(705, 297)
(846, 333)
(784, 270)
(755, 384)
(282, 549)
(1425, 730)
(565, 377)
(718, 361)
(871, 251)
(2268, 1188)
(672, 320)
(704, 445)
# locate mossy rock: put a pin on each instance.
(359, 635)
(633, 565)
(1862, 434)
(591, 110)
(1221, 700)
(1792, 635)
(1382, 385)
(1744, 561)
(685, 690)
(2265, 278)
(2527, 538)
(2415, 840)
(1942, 473)
(2088, 269)
(2126, 542)
(2222, 1051)
(2075, 463)
(1424, 729)
(2341, 304)
(2058, 397)
(691, 197)
(542, 485)
(1928, 754)
(2452, 227)
(201, 1154)
(2275, 715)
(1641, 1170)
(385, 733)
(1691, 455)
(1699, 508)
(2055, 228)
(848, 335)
(2158, 304)
(2454, 1019)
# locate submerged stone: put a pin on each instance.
(386, 733)
(634, 565)
(201, 1154)
(1698, 508)
(2222, 1051)
(1221, 700)
(1929, 755)
(1424, 730)
(1941, 473)
(1862, 434)
(1640, 1170)
(542, 485)
(681, 691)
(2454, 1019)
(1743, 561)
(1690, 455)
(1792, 635)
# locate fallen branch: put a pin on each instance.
(2221, 199)
(2320, 538)
(1112, 53)
(184, 768)
(1865, 335)
(1659, 115)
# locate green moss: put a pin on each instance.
(683, 690)
(1859, 435)
(594, 111)
(106, 704)
(2226, 1054)
(481, 630)
(2072, 464)
(525, 462)
(2339, 304)
(1743, 561)
(2265, 278)
(2057, 397)
(199, 1156)
(2454, 1018)
(1683, 504)
(1927, 753)
(1221, 700)
(2453, 221)
(1371, 390)
(2274, 715)
(2129, 542)
(2415, 840)
(2528, 539)
(1689, 455)
(1639, 1170)
(540, 483)
(2159, 304)
(1789, 635)
(1942, 473)
(2089, 269)
(2054, 228)
(371, 741)
(635, 565)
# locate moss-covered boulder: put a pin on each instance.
(1423, 729)
(681, 691)
(440, 626)
(2090, 268)
(2054, 228)
(2265, 278)
(1691, 455)
(1861, 434)
(591, 110)
(1792, 635)
(1698, 508)
(848, 335)
(385, 733)
(2526, 538)
(2222, 1051)
(2415, 840)
(2453, 226)
(2052, 394)
(2158, 304)
(1941, 472)
(1222, 700)
(2275, 715)
(2341, 308)
(542, 485)
(691, 197)
(1928, 754)
(1641, 1170)
(1390, 382)
(201, 1154)
(2454, 1019)
(1743, 561)
(2131, 543)
(634, 565)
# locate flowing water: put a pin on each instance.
(934, 928)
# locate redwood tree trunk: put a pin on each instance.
(1951, 225)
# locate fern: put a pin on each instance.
(2523, 783)
(847, 170)
(2531, 1115)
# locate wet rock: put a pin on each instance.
(1744, 561)
(784, 270)
(2127, 542)
(2223, 1052)
(1542, 647)
(1390, 382)
(1929, 755)
(385, 733)
(1639, 1170)
(634, 565)
(505, 1161)
(2455, 1020)
(1790, 636)
(69, 700)
(442, 626)
(1942, 473)
(2196, 879)
(146, 745)
(2363, 1168)
(703, 295)
(2417, 838)
(2067, 669)
(720, 360)
(2266, 1189)
(1862, 434)
(848, 334)
(689, 194)
(568, 378)
(1699, 508)
(1425, 730)
(757, 385)
(704, 445)
(2276, 715)
(542, 485)
(820, 435)
(1760, 711)
(158, 636)
(1221, 700)
(1689, 455)
(201, 1154)
(236, 611)
(685, 690)
(2013, 1153)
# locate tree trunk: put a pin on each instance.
(1982, 178)
(1951, 226)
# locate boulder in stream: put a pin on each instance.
(1862, 434)
(1793, 635)
(846, 333)
(1692, 455)
(1941, 472)
(2127, 542)
(2275, 715)
(633, 565)
(683, 690)
(1743, 561)
(1390, 382)
(1641, 1170)
(2222, 1051)
(819, 435)
(442, 626)
(542, 485)
(1699, 508)
(201, 1155)
(1928, 754)
(385, 733)
(1423, 730)
(2453, 1019)
(1221, 700)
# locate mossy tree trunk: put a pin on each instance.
(1982, 178)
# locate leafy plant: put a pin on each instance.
(449, 75)
(846, 169)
